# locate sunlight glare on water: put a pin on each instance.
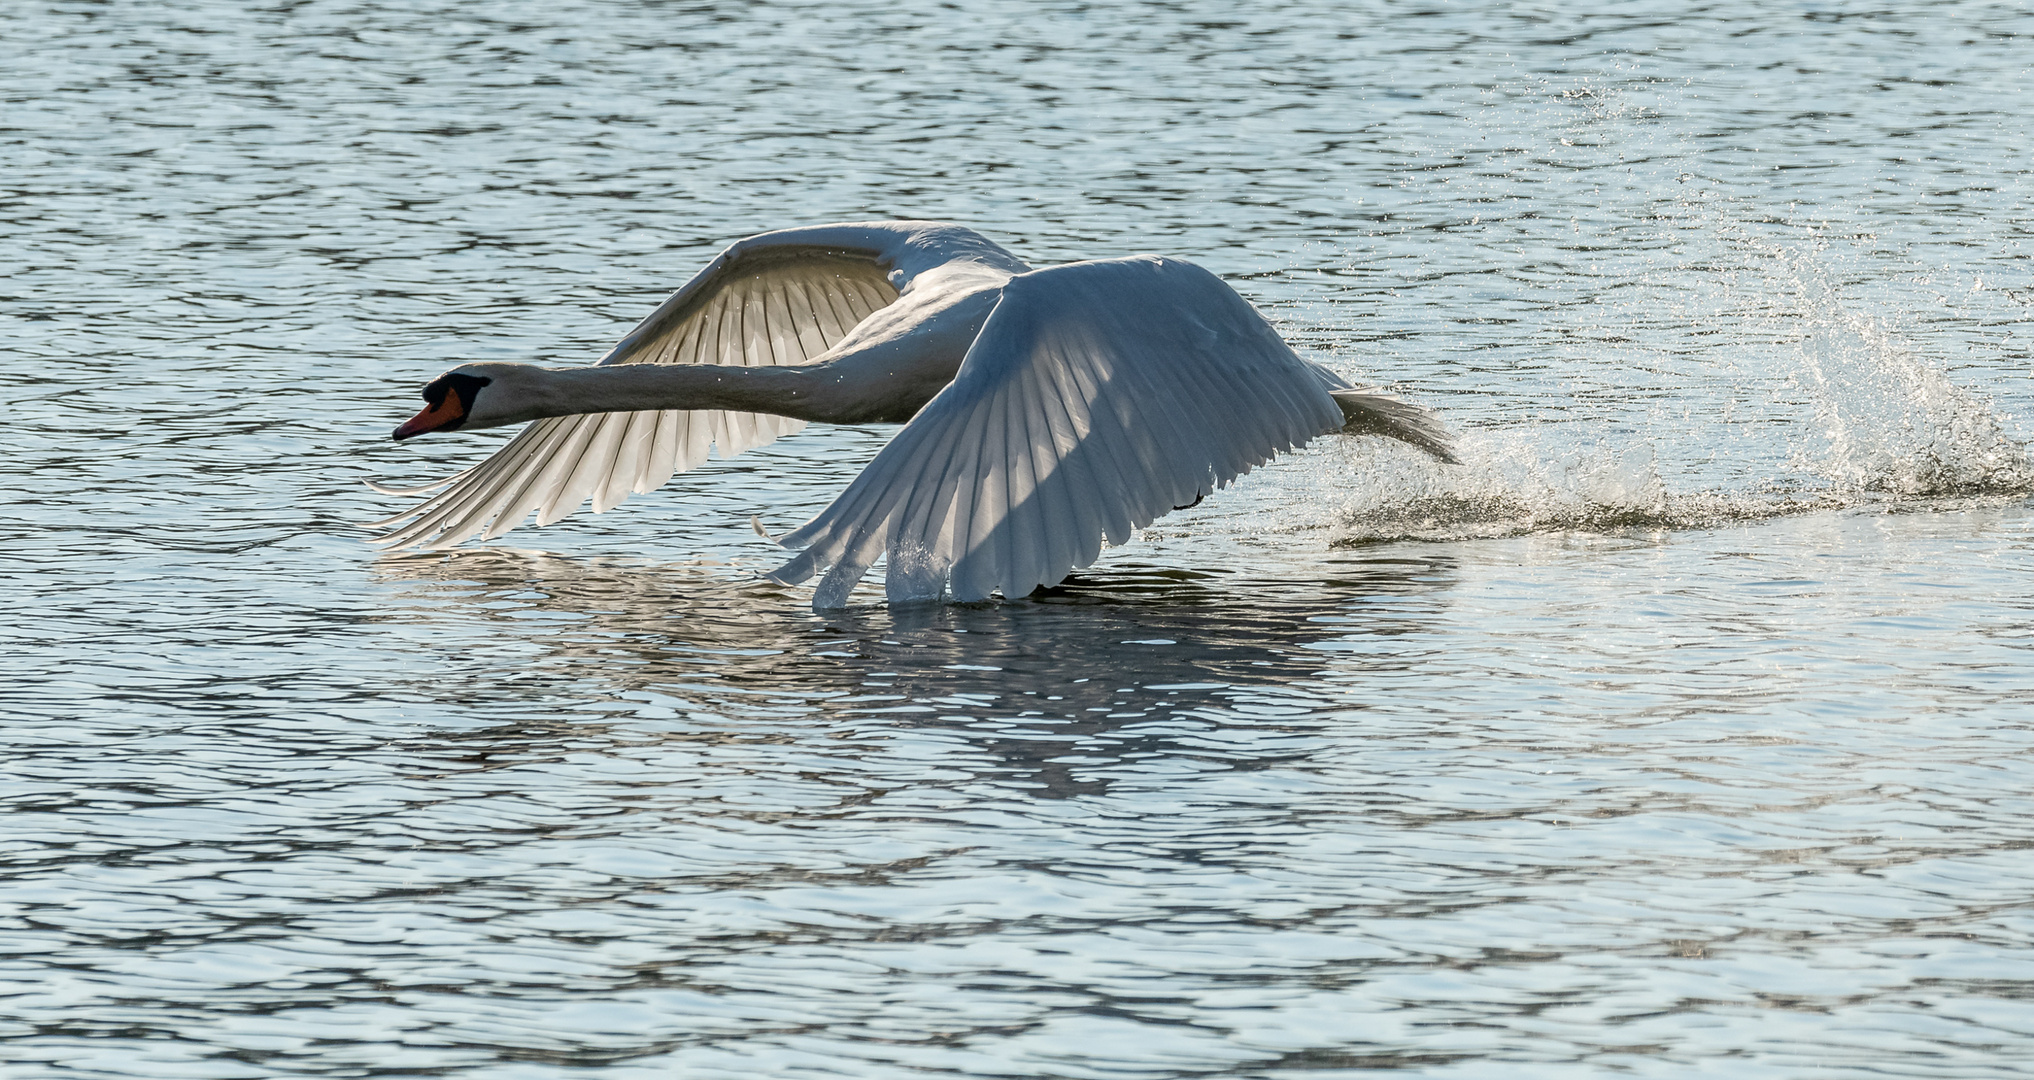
(1683, 727)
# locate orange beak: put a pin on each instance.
(446, 412)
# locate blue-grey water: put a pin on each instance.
(1688, 728)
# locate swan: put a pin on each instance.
(1044, 411)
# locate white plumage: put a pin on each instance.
(1048, 410)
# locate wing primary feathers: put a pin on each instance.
(967, 495)
(1054, 511)
(1011, 556)
(1116, 493)
(973, 565)
(432, 513)
(505, 503)
(698, 437)
(547, 483)
(912, 519)
(611, 488)
(1162, 411)
(593, 457)
(662, 462)
(522, 491)
(531, 484)
(923, 533)
(430, 520)
(1205, 386)
(997, 560)
(1058, 517)
(1071, 482)
(1085, 488)
(475, 477)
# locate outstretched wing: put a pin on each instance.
(755, 305)
(1098, 397)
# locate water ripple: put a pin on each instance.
(1685, 725)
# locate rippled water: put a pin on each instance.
(1684, 729)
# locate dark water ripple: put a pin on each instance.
(1683, 729)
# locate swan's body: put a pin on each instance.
(1044, 410)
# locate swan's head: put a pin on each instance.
(474, 396)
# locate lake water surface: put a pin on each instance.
(1686, 728)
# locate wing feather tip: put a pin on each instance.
(422, 489)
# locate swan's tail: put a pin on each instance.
(1371, 413)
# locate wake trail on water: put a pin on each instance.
(1887, 431)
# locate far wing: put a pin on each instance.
(1098, 397)
(752, 306)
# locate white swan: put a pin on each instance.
(1043, 410)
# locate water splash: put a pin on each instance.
(1869, 423)
(1889, 431)
(1729, 353)
(1892, 423)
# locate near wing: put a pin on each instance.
(750, 307)
(1098, 397)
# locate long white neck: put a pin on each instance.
(827, 394)
(883, 371)
(887, 382)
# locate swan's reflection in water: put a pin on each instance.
(1089, 661)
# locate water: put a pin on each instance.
(1685, 728)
